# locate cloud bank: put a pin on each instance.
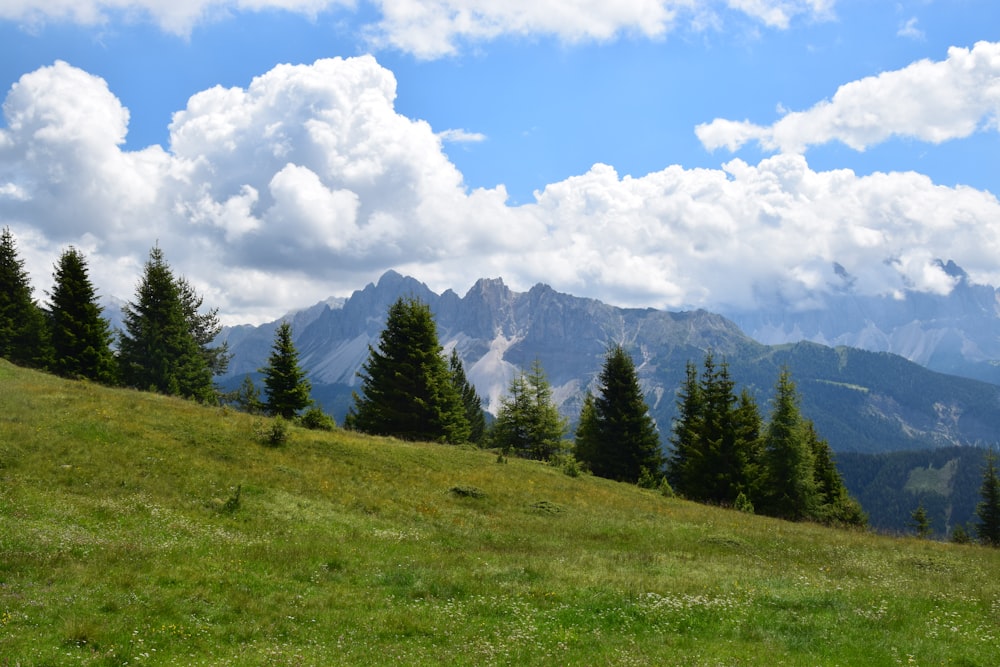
(929, 101)
(435, 28)
(307, 183)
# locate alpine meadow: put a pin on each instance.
(137, 528)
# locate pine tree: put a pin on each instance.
(920, 522)
(685, 461)
(471, 401)
(80, 336)
(23, 334)
(834, 504)
(586, 443)
(528, 422)
(724, 473)
(285, 382)
(204, 328)
(988, 510)
(157, 350)
(406, 388)
(624, 435)
(790, 486)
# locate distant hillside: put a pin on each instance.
(141, 529)
(860, 401)
(891, 486)
(956, 333)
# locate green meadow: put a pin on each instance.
(137, 529)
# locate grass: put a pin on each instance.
(138, 529)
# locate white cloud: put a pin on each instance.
(435, 28)
(929, 101)
(308, 183)
(910, 30)
(461, 136)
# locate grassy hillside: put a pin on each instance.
(122, 542)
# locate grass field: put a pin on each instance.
(137, 529)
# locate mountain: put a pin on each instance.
(860, 401)
(946, 481)
(956, 333)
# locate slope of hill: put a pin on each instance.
(890, 486)
(138, 529)
(860, 401)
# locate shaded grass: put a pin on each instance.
(117, 547)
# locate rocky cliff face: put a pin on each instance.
(498, 332)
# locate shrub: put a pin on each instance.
(743, 504)
(314, 418)
(273, 432)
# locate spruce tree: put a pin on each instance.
(80, 336)
(285, 382)
(685, 460)
(790, 487)
(23, 334)
(920, 522)
(157, 351)
(725, 461)
(586, 443)
(471, 401)
(528, 422)
(204, 328)
(988, 510)
(406, 388)
(834, 504)
(627, 444)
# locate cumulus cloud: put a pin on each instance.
(308, 183)
(435, 28)
(927, 100)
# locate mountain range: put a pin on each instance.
(860, 400)
(956, 333)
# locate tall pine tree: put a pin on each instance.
(406, 388)
(23, 334)
(684, 464)
(471, 401)
(81, 337)
(157, 350)
(285, 382)
(620, 438)
(988, 511)
(790, 490)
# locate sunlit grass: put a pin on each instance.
(123, 541)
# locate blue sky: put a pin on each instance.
(669, 153)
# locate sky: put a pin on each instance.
(719, 154)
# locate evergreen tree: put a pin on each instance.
(204, 328)
(920, 522)
(790, 486)
(750, 447)
(246, 397)
(528, 422)
(80, 336)
(988, 510)
(586, 443)
(726, 461)
(471, 402)
(285, 382)
(834, 504)
(406, 388)
(23, 334)
(157, 350)
(685, 461)
(624, 435)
